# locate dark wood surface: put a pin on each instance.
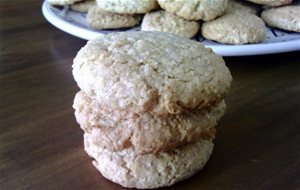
(41, 147)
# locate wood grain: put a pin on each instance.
(41, 146)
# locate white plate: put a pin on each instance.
(74, 23)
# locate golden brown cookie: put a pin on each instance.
(153, 72)
(286, 18)
(235, 27)
(83, 6)
(195, 10)
(272, 3)
(164, 21)
(116, 130)
(149, 170)
(99, 19)
(127, 6)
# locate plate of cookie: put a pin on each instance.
(238, 31)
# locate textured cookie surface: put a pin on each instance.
(127, 6)
(147, 133)
(286, 18)
(150, 170)
(235, 28)
(195, 10)
(241, 6)
(99, 19)
(272, 2)
(62, 2)
(151, 72)
(167, 22)
(83, 6)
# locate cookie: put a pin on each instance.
(168, 22)
(83, 6)
(235, 27)
(116, 130)
(286, 18)
(62, 2)
(150, 170)
(99, 19)
(195, 10)
(272, 2)
(153, 72)
(242, 6)
(127, 6)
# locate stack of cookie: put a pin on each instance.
(149, 104)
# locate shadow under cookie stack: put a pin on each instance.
(148, 105)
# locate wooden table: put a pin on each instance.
(41, 146)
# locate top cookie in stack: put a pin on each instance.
(126, 72)
(149, 96)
